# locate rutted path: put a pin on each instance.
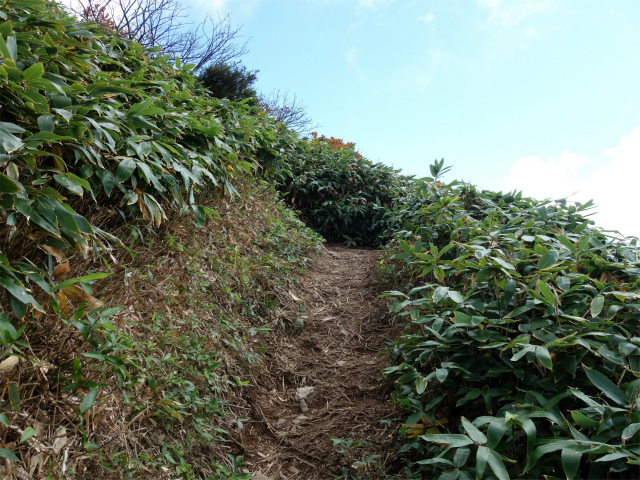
(335, 355)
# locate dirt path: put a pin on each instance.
(334, 355)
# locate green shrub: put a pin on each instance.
(341, 194)
(87, 114)
(521, 355)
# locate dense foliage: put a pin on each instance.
(232, 81)
(521, 355)
(343, 195)
(87, 114)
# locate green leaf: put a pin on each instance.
(200, 218)
(630, 431)
(451, 439)
(495, 462)
(582, 420)
(495, 432)
(461, 456)
(14, 397)
(125, 169)
(482, 455)
(34, 71)
(87, 278)
(6, 453)
(596, 305)
(9, 185)
(9, 142)
(37, 138)
(542, 354)
(548, 259)
(570, 462)
(606, 386)
(567, 244)
(474, 434)
(502, 263)
(68, 183)
(138, 108)
(27, 434)
(548, 295)
(46, 123)
(563, 283)
(89, 400)
(441, 374)
(456, 296)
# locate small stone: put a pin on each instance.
(261, 477)
(280, 424)
(303, 392)
(303, 406)
(341, 363)
(299, 322)
(300, 419)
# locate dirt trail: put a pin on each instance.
(335, 353)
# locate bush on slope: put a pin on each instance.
(521, 356)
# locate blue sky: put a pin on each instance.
(536, 95)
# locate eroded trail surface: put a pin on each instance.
(324, 380)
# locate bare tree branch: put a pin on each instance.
(289, 110)
(164, 23)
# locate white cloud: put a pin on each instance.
(613, 187)
(512, 12)
(550, 178)
(374, 4)
(428, 18)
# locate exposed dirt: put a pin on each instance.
(336, 353)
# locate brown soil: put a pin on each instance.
(337, 353)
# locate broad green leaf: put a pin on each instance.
(199, 214)
(606, 386)
(8, 454)
(563, 283)
(40, 137)
(567, 244)
(495, 462)
(125, 168)
(89, 400)
(503, 263)
(9, 185)
(456, 296)
(9, 142)
(509, 290)
(596, 306)
(474, 434)
(495, 432)
(14, 397)
(34, 71)
(86, 278)
(542, 354)
(482, 455)
(68, 183)
(46, 123)
(570, 462)
(584, 421)
(461, 456)
(451, 439)
(548, 259)
(547, 293)
(451, 474)
(27, 434)
(630, 431)
(441, 374)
